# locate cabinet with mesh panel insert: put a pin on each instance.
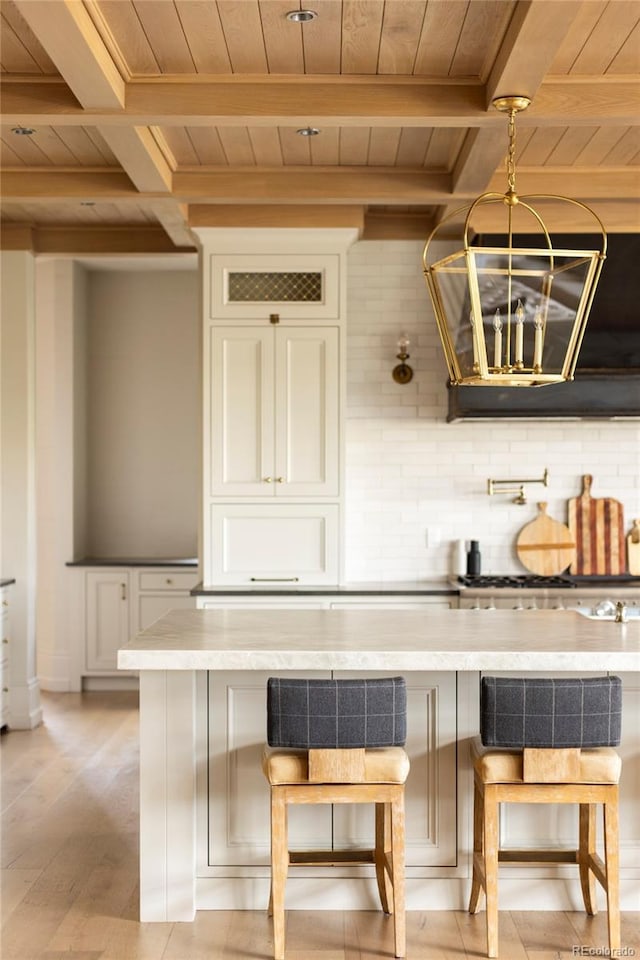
(296, 287)
(274, 305)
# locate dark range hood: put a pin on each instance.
(607, 379)
(601, 396)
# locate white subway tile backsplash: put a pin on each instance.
(407, 469)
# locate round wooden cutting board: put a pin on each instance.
(545, 546)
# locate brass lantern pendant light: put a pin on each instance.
(511, 315)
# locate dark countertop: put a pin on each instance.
(134, 562)
(6, 582)
(428, 588)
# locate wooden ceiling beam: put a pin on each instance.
(535, 33)
(292, 185)
(276, 215)
(612, 183)
(371, 101)
(68, 35)
(108, 239)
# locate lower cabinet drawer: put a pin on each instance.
(168, 579)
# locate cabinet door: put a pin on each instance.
(307, 403)
(241, 441)
(238, 802)
(273, 543)
(431, 786)
(107, 617)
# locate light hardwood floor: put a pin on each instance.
(69, 869)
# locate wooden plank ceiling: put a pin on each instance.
(151, 117)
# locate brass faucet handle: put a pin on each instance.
(621, 612)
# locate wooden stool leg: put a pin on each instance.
(397, 869)
(612, 866)
(279, 866)
(382, 849)
(491, 866)
(586, 849)
(476, 883)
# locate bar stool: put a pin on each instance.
(338, 741)
(548, 741)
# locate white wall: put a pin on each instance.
(61, 456)
(17, 480)
(143, 413)
(415, 483)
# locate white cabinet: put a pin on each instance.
(272, 441)
(4, 657)
(273, 394)
(120, 601)
(298, 287)
(238, 805)
(106, 616)
(274, 412)
(273, 543)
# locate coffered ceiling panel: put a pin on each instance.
(182, 112)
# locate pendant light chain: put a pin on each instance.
(511, 156)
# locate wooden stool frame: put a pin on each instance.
(387, 854)
(487, 853)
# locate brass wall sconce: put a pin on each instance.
(515, 486)
(402, 372)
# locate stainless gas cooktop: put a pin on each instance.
(532, 580)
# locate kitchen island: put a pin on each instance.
(193, 663)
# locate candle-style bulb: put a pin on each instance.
(538, 328)
(403, 342)
(497, 339)
(519, 317)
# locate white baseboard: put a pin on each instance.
(110, 683)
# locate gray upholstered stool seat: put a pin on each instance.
(338, 741)
(548, 741)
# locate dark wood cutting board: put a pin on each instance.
(545, 546)
(597, 524)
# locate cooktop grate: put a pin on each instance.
(523, 580)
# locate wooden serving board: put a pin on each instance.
(597, 526)
(633, 549)
(545, 546)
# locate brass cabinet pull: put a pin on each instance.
(280, 480)
(168, 581)
(5, 689)
(275, 579)
(5, 603)
(267, 479)
(5, 639)
(123, 591)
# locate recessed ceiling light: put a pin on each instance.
(23, 131)
(301, 16)
(308, 132)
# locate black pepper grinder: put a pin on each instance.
(473, 559)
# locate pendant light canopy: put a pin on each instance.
(513, 315)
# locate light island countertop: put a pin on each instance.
(382, 640)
